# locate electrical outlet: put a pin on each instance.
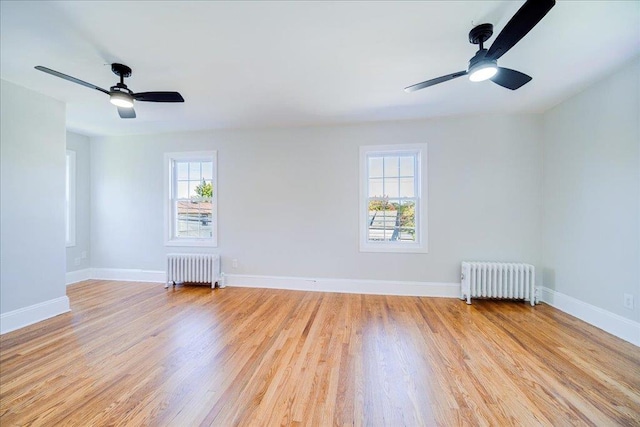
(628, 301)
(234, 263)
(77, 261)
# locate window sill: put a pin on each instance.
(191, 242)
(394, 249)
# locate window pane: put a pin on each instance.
(193, 188)
(183, 190)
(194, 171)
(391, 166)
(375, 187)
(407, 187)
(375, 167)
(407, 165)
(391, 186)
(181, 224)
(378, 205)
(182, 170)
(207, 170)
(407, 234)
(192, 228)
(407, 221)
(382, 221)
(202, 188)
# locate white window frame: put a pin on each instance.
(70, 198)
(170, 215)
(420, 245)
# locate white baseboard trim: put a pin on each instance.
(26, 316)
(78, 276)
(350, 286)
(128, 275)
(612, 323)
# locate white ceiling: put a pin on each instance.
(272, 64)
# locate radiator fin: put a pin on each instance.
(498, 280)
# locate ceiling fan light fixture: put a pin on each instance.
(483, 71)
(121, 99)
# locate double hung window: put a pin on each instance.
(393, 198)
(191, 198)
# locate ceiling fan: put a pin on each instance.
(484, 64)
(119, 94)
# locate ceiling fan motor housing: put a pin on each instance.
(121, 87)
(480, 34)
(121, 70)
(479, 58)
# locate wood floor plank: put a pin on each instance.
(137, 354)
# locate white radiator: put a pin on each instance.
(498, 280)
(194, 268)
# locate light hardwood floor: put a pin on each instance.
(137, 354)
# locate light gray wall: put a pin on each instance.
(79, 255)
(289, 198)
(32, 171)
(591, 194)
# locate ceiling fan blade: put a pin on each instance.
(511, 79)
(158, 97)
(435, 81)
(71, 79)
(127, 113)
(520, 24)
